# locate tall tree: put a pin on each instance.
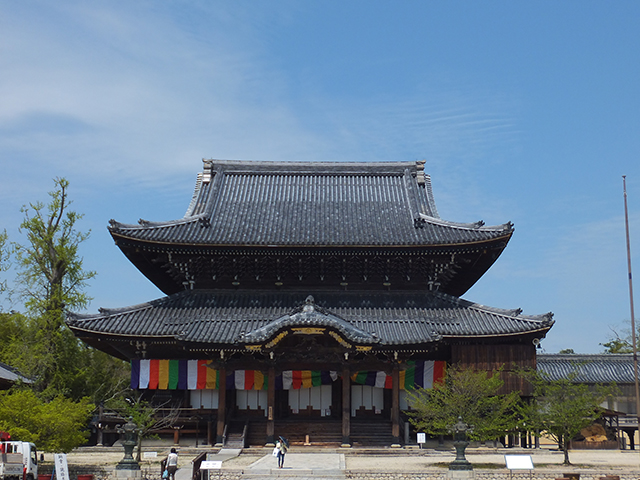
(50, 279)
(50, 272)
(562, 408)
(468, 394)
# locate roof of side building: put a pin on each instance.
(594, 368)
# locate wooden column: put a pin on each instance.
(209, 433)
(222, 400)
(271, 407)
(346, 407)
(395, 406)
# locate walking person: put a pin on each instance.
(281, 446)
(172, 464)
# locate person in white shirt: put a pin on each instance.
(282, 449)
(172, 464)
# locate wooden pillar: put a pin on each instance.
(346, 407)
(395, 406)
(209, 433)
(176, 435)
(222, 407)
(271, 407)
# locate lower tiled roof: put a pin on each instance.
(387, 318)
(10, 374)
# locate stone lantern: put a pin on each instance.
(460, 467)
(128, 467)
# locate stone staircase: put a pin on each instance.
(234, 435)
(371, 433)
(326, 433)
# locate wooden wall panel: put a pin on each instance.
(493, 357)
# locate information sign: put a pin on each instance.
(519, 462)
(210, 465)
(61, 467)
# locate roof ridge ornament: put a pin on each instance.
(207, 170)
(420, 175)
(309, 304)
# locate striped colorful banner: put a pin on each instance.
(198, 375)
(423, 374)
(296, 379)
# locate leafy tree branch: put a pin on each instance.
(561, 408)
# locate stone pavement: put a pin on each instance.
(306, 463)
(425, 464)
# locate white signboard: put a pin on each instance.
(422, 438)
(210, 465)
(62, 469)
(149, 454)
(518, 462)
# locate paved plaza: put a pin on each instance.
(369, 464)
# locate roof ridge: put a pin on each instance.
(479, 225)
(575, 356)
(509, 312)
(142, 223)
(309, 166)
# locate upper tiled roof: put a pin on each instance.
(382, 318)
(599, 368)
(311, 204)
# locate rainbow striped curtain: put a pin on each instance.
(424, 374)
(196, 375)
(296, 379)
(173, 375)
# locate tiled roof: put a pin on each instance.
(382, 318)
(312, 204)
(598, 368)
(10, 374)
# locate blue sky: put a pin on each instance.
(524, 111)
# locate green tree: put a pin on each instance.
(50, 272)
(621, 343)
(567, 351)
(103, 377)
(14, 334)
(469, 394)
(561, 408)
(55, 426)
(51, 280)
